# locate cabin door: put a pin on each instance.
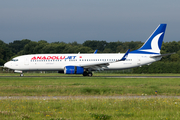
(139, 60)
(26, 61)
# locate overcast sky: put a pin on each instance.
(81, 20)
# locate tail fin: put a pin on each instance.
(154, 42)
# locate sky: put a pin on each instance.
(81, 20)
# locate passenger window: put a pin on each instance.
(14, 60)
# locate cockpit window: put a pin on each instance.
(14, 60)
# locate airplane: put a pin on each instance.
(86, 63)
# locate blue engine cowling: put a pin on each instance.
(73, 70)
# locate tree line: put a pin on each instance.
(26, 46)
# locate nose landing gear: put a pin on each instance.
(21, 75)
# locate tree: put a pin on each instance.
(39, 47)
(174, 57)
(5, 52)
(94, 45)
(18, 45)
(29, 48)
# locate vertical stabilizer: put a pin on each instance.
(154, 42)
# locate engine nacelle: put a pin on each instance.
(73, 70)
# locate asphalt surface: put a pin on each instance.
(107, 76)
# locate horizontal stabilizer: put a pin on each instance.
(162, 55)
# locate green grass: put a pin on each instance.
(87, 86)
(94, 74)
(90, 109)
(87, 108)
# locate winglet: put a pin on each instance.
(95, 51)
(125, 56)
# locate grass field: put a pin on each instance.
(87, 86)
(91, 108)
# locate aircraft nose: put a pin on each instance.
(6, 65)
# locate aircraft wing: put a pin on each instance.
(100, 65)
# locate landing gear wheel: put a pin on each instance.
(21, 75)
(85, 73)
(90, 74)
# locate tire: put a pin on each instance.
(90, 74)
(85, 73)
(21, 75)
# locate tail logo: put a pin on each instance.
(154, 45)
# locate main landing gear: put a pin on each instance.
(21, 75)
(87, 73)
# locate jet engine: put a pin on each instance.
(73, 70)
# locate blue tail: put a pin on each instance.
(154, 42)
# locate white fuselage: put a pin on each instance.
(57, 62)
